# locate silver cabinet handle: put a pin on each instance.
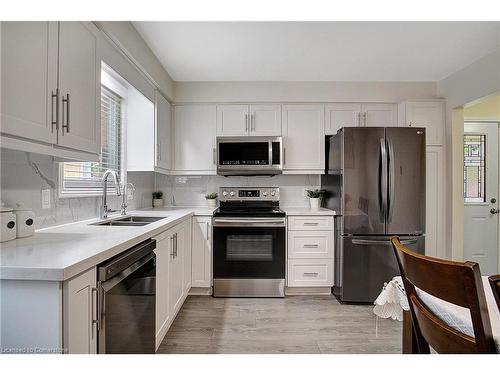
(172, 250)
(95, 318)
(359, 119)
(246, 122)
(310, 245)
(284, 156)
(364, 117)
(208, 231)
(213, 156)
(175, 243)
(54, 99)
(252, 120)
(310, 223)
(312, 274)
(100, 304)
(65, 124)
(410, 124)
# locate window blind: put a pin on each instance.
(85, 177)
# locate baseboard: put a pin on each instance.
(308, 291)
(197, 291)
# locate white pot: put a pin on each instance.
(314, 202)
(158, 202)
(212, 203)
(7, 224)
(25, 220)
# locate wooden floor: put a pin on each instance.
(318, 324)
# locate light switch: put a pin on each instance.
(45, 198)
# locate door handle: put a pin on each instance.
(252, 122)
(494, 211)
(65, 124)
(95, 311)
(54, 121)
(246, 122)
(391, 182)
(383, 180)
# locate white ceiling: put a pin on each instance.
(318, 51)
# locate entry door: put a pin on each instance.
(481, 195)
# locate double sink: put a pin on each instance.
(129, 221)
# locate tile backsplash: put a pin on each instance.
(23, 176)
(191, 190)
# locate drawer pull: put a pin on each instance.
(311, 274)
(311, 224)
(310, 245)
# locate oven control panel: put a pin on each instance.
(249, 194)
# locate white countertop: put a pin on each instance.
(61, 252)
(299, 211)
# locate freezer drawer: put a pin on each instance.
(368, 262)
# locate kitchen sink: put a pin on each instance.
(130, 221)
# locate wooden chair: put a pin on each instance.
(495, 287)
(454, 282)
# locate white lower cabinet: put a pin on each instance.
(201, 267)
(80, 314)
(310, 251)
(173, 274)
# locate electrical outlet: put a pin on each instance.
(45, 198)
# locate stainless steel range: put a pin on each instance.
(249, 243)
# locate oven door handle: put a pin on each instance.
(244, 222)
(111, 283)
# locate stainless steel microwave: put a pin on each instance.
(239, 156)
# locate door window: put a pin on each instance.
(250, 248)
(474, 168)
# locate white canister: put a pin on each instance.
(212, 203)
(8, 224)
(25, 221)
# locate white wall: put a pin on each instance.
(479, 79)
(303, 91)
(131, 43)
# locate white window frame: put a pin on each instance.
(117, 84)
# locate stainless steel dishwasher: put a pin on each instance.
(127, 293)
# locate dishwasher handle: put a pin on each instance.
(121, 262)
(111, 283)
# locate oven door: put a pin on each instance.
(249, 248)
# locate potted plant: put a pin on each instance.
(315, 198)
(211, 199)
(157, 199)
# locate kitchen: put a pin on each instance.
(212, 207)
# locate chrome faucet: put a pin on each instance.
(129, 185)
(105, 210)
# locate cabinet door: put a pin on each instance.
(379, 114)
(175, 280)
(80, 311)
(29, 77)
(201, 252)
(304, 138)
(434, 202)
(184, 243)
(79, 87)
(428, 115)
(339, 115)
(233, 120)
(265, 119)
(163, 133)
(163, 254)
(194, 139)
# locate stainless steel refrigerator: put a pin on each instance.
(375, 179)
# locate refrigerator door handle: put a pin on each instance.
(382, 243)
(383, 180)
(392, 177)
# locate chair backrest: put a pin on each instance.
(495, 287)
(454, 282)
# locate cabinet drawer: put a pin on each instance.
(310, 272)
(308, 244)
(310, 222)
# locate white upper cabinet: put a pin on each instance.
(256, 119)
(232, 120)
(339, 115)
(379, 114)
(29, 78)
(194, 139)
(303, 138)
(79, 87)
(51, 87)
(428, 115)
(163, 133)
(265, 120)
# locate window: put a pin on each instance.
(84, 178)
(474, 168)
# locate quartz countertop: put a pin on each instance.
(61, 252)
(300, 211)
